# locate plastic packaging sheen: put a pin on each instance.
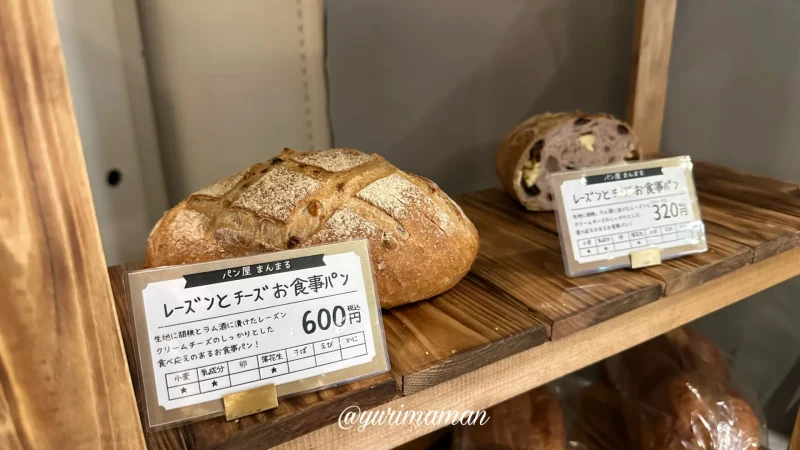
(678, 395)
(671, 393)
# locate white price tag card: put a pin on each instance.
(606, 213)
(302, 320)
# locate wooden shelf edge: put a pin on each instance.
(501, 380)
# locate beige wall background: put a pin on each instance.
(233, 83)
(434, 85)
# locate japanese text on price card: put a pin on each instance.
(237, 328)
(629, 211)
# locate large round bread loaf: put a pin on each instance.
(420, 241)
(548, 143)
(531, 421)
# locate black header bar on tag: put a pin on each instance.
(252, 271)
(624, 175)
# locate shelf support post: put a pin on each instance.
(64, 380)
(652, 45)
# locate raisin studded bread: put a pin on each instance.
(420, 241)
(548, 143)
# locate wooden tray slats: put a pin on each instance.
(526, 262)
(458, 331)
(766, 231)
(676, 275)
(748, 189)
(516, 296)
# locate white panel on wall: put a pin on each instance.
(114, 120)
(233, 82)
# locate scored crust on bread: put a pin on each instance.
(421, 243)
(548, 143)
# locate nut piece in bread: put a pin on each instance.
(548, 143)
(421, 243)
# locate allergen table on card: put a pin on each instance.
(200, 380)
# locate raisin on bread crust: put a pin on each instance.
(548, 143)
(421, 243)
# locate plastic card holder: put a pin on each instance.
(627, 215)
(301, 320)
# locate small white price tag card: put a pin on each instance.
(607, 213)
(302, 320)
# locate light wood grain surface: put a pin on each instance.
(516, 374)
(652, 45)
(64, 382)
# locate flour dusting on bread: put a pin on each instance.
(189, 225)
(397, 196)
(222, 186)
(338, 160)
(343, 225)
(277, 194)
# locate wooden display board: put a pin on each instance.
(64, 381)
(652, 45)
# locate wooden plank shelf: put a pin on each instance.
(517, 303)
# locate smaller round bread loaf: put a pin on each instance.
(531, 421)
(697, 352)
(692, 412)
(420, 242)
(641, 369)
(548, 143)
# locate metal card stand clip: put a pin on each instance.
(645, 258)
(245, 403)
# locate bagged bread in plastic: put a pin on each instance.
(531, 421)
(593, 415)
(678, 396)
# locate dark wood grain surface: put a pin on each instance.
(456, 332)
(516, 297)
(766, 231)
(747, 189)
(521, 255)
